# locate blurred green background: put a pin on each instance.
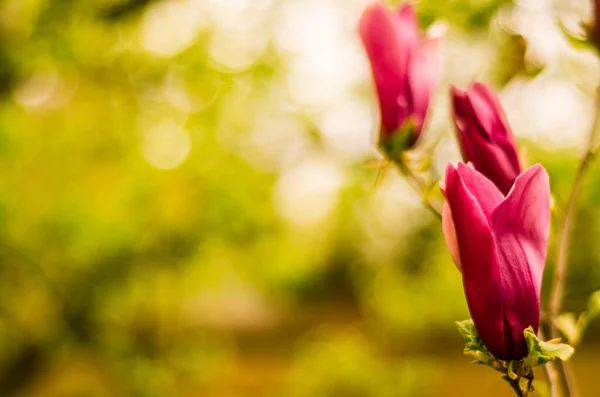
(189, 205)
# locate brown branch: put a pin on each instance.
(514, 384)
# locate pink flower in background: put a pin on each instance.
(594, 27)
(499, 243)
(484, 135)
(404, 65)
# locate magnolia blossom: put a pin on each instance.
(499, 243)
(484, 135)
(405, 67)
(594, 26)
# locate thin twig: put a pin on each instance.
(558, 282)
(550, 371)
(557, 292)
(514, 383)
(529, 385)
(572, 389)
(418, 185)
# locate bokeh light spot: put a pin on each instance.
(166, 145)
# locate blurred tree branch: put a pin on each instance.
(559, 279)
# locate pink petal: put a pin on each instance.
(595, 29)
(460, 105)
(483, 190)
(489, 111)
(408, 29)
(486, 195)
(464, 119)
(450, 235)
(388, 44)
(492, 119)
(484, 135)
(423, 77)
(478, 257)
(521, 225)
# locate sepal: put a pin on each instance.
(474, 347)
(540, 352)
(396, 143)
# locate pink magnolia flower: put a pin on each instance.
(499, 243)
(484, 135)
(594, 26)
(404, 65)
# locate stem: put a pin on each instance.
(550, 371)
(514, 383)
(529, 387)
(557, 292)
(418, 185)
(552, 378)
(558, 282)
(569, 379)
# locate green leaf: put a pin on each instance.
(567, 325)
(541, 352)
(585, 318)
(594, 305)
